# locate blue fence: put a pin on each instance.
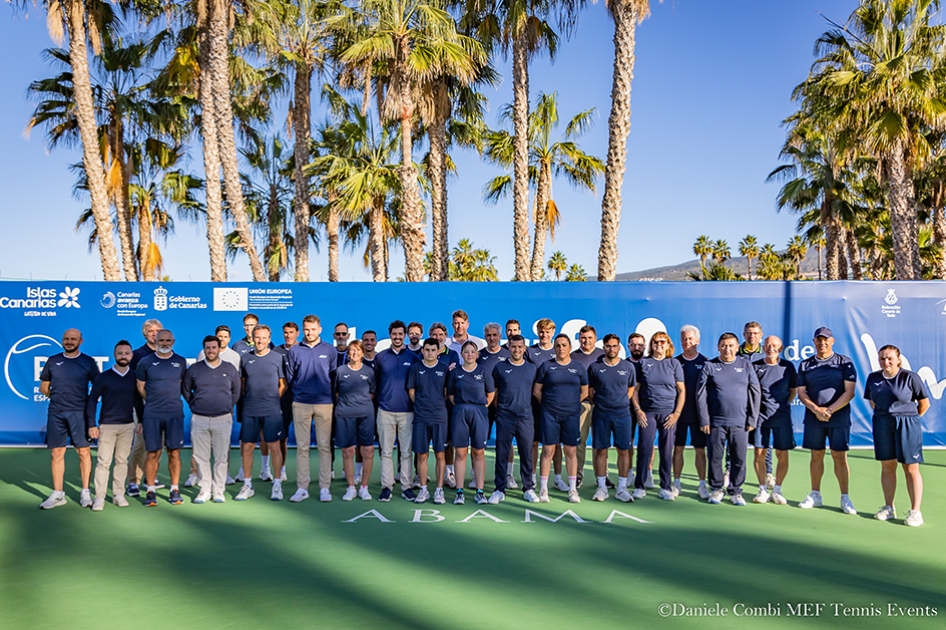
(863, 315)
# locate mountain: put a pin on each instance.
(678, 273)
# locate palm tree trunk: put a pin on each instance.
(223, 110)
(331, 227)
(749, 261)
(273, 254)
(437, 133)
(91, 155)
(376, 240)
(122, 216)
(854, 255)
(939, 236)
(144, 243)
(540, 218)
(412, 233)
(820, 265)
(903, 224)
(520, 170)
(301, 128)
(211, 150)
(624, 13)
(833, 237)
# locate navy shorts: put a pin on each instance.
(357, 431)
(816, 435)
(271, 427)
(697, 437)
(286, 420)
(898, 437)
(63, 426)
(781, 438)
(171, 429)
(560, 428)
(470, 426)
(425, 433)
(606, 426)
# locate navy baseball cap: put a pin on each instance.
(824, 331)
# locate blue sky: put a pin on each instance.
(713, 81)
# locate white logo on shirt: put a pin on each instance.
(363, 377)
(422, 371)
(252, 361)
(622, 372)
(323, 356)
(439, 373)
(572, 371)
(740, 370)
(406, 363)
(60, 363)
(508, 371)
(156, 363)
(177, 365)
(478, 377)
(345, 375)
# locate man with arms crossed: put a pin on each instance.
(611, 384)
(513, 379)
(263, 384)
(826, 384)
(116, 387)
(65, 380)
(426, 385)
(211, 388)
(395, 411)
(692, 362)
(778, 381)
(159, 379)
(309, 369)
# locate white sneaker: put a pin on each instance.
(266, 475)
(439, 497)
(676, 489)
(778, 499)
(544, 496)
(812, 500)
(770, 482)
(451, 480)
(98, 504)
(639, 493)
(240, 476)
(276, 494)
(561, 485)
(621, 494)
(460, 499)
(914, 518)
(666, 495)
(497, 497)
(762, 497)
(703, 490)
(511, 482)
(886, 513)
(737, 499)
(601, 494)
(363, 493)
(325, 495)
(120, 501)
(299, 496)
(230, 480)
(846, 506)
(416, 483)
(423, 495)
(472, 484)
(715, 498)
(530, 496)
(350, 494)
(202, 497)
(220, 498)
(573, 496)
(85, 498)
(191, 481)
(245, 493)
(282, 474)
(649, 480)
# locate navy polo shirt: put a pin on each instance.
(490, 360)
(776, 382)
(657, 384)
(354, 389)
(391, 369)
(162, 379)
(69, 380)
(429, 385)
(261, 376)
(610, 384)
(895, 396)
(824, 383)
(514, 385)
(470, 388)
(561, 386)
(728, 394)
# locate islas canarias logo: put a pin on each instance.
(40, 297)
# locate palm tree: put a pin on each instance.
(771, 266)
(796, 252)
(721, 252)
(703, 247)
(413, 39)
(878, 77)
(749, 248)
(73, 18)
(558, 264)
(548, 157)
(627, 14)
(576, 273)
(814, 237)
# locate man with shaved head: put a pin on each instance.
(65, 380)
(778, 381)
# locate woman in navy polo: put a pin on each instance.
(898, 399)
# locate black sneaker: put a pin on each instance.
(608, 483)
(175, 497)
(151, 500)
(579, 480)
(408, 494)
(159, 486)
(385, 495)
(133, 490)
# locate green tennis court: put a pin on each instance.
(261, 564)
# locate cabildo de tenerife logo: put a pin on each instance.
(41, 301)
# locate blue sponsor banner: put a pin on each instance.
(863, 315)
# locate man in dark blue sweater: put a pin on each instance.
(211, 388)
(116, 388)
(65, 381)
(728, 399)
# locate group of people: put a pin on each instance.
(448, 393)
